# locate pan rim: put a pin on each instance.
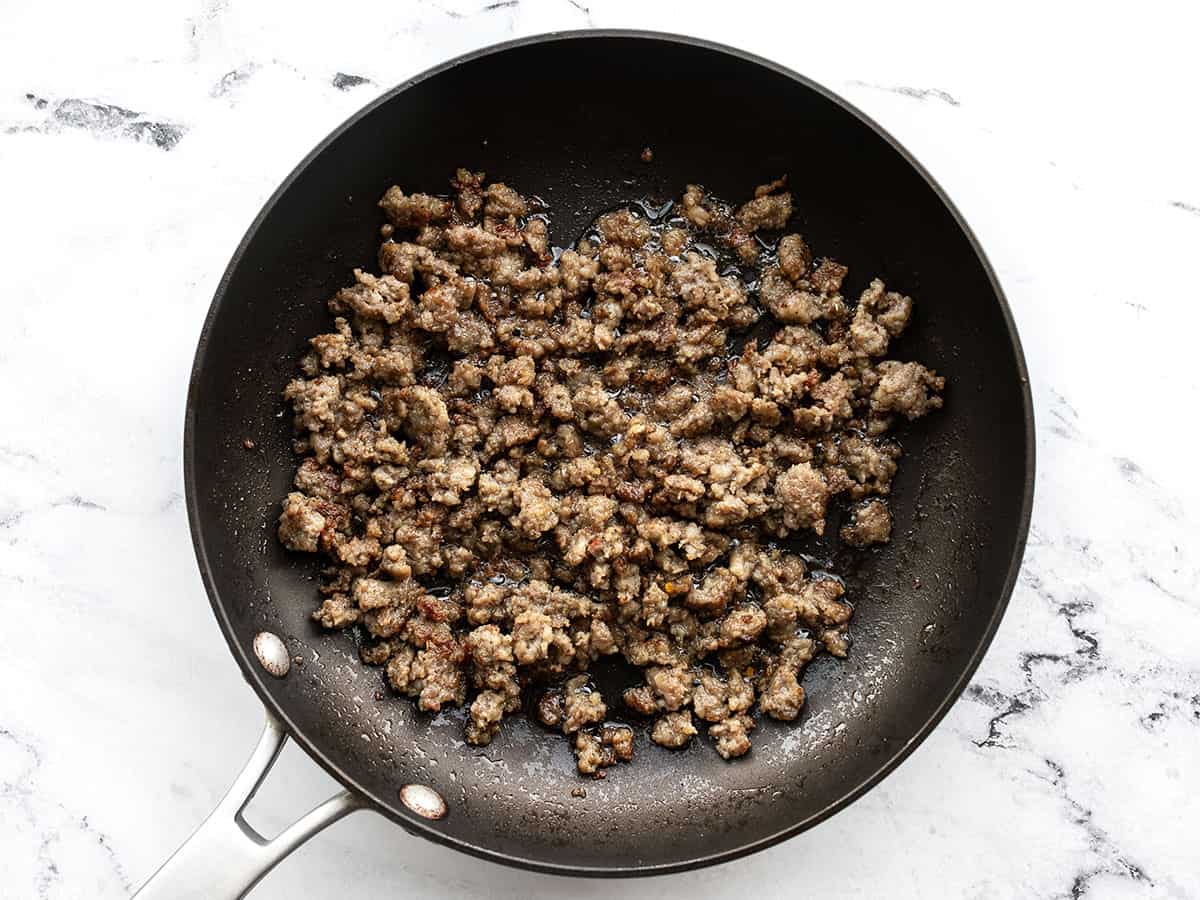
(417, 825)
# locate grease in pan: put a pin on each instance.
(521, 460)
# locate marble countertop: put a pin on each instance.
(143, 140)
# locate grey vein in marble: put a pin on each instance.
(198, 24)
(105, 844)
(11, 518)
(344, 81)
(1115, 862)
(915, 93)
(79, 503)
(233, 79)
(489, 8)
(16, 453)
(1074, 666)
(18, 791)
(105, 119)
(586, 10)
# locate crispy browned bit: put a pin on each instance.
(579, 793)
(770, 187)
(566, 442)
(550, 709)
(647, 155)
(872, 524)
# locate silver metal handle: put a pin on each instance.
(224, 858)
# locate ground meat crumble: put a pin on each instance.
(520, 460)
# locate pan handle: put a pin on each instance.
(224, 858)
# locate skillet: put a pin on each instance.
(564, 116)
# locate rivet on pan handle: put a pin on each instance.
(225, 857)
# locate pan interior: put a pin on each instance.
(566, 119)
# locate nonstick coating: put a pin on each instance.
(565, 117)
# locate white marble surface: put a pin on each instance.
(1068, 136)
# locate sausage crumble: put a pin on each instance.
(520, 460)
